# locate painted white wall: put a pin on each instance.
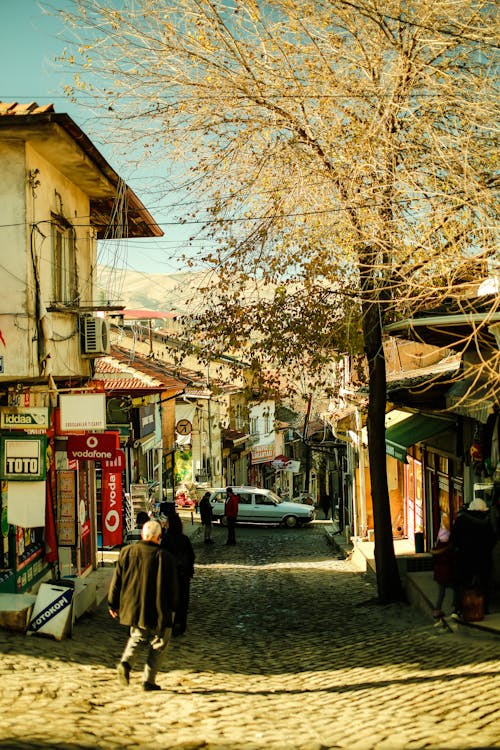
(263, 412)
(26, 209)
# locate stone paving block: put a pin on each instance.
(285, 650)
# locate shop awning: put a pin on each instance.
(415, 429)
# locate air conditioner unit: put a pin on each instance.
(95, 336)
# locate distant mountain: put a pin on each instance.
(176, 292)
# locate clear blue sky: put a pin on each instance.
(30, 41)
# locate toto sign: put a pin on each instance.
(92, 446)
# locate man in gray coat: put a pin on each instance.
(143, 594)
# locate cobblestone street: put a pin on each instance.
(285, 650)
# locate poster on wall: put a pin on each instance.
(66, 508)
(183, 466)
(26, 504)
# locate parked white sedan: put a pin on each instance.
(257, 505)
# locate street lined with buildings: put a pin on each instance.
(286, 648)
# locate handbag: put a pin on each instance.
(472, 606)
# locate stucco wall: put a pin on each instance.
(16, 343)
(31, 192)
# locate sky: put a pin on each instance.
(30, 42)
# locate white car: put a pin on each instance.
(257, 505)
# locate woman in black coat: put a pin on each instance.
(207, 516)
(180, 547)
(473, 539)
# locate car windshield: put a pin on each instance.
(275, 497)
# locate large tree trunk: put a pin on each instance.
(388, 579)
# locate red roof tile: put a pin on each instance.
(13, 108)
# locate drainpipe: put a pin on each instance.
(361, 530)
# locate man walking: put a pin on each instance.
(231, 513)
(143, 594)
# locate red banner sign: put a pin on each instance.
(100, 446)
(115, 464)
(111, 508)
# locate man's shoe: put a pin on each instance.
(148, 686)
(123, 670)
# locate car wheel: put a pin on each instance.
(290, 521)
(223, 521)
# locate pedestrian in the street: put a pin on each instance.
(207, 517)
(443, 565)
(143, 594)
(473, 539)
(231, 514)
(179, 546)
(326, 504)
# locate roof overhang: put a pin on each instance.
(450, 330)
(62, 142)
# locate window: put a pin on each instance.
(239, 418)
(254, 425)
(267, 424)
(64, 288)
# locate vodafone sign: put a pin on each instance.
(93, 446)
(112, 527)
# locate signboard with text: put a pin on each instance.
(82, 412)
(23, 458)
(100, 446)
(24, 418)
(111, 508)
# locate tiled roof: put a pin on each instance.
(32, 108)
(118, 376)
(129, 384)
(163, 371)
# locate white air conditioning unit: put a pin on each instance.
(95, 336)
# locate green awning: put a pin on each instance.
(415, 429)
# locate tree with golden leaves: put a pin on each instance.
(345, 153)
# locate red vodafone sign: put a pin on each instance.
(92, 446)
(112, 527)
(115, 464)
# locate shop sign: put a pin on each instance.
(144, 421)
(262, 453)
(115, 464)
(24, 418)
(92, 447)
(23, 458)
(82, 412)
(111, 509)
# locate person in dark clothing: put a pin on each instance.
(143, 594)
(206, 516)
(180, 547)
(473, 539)
(443, 565)
(231, 514)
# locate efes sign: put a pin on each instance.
(23, 458)
(24, 418)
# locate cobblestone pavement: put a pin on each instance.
(286, 649)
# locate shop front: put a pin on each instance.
(82, 444)
(24, 461)
(418, 489)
